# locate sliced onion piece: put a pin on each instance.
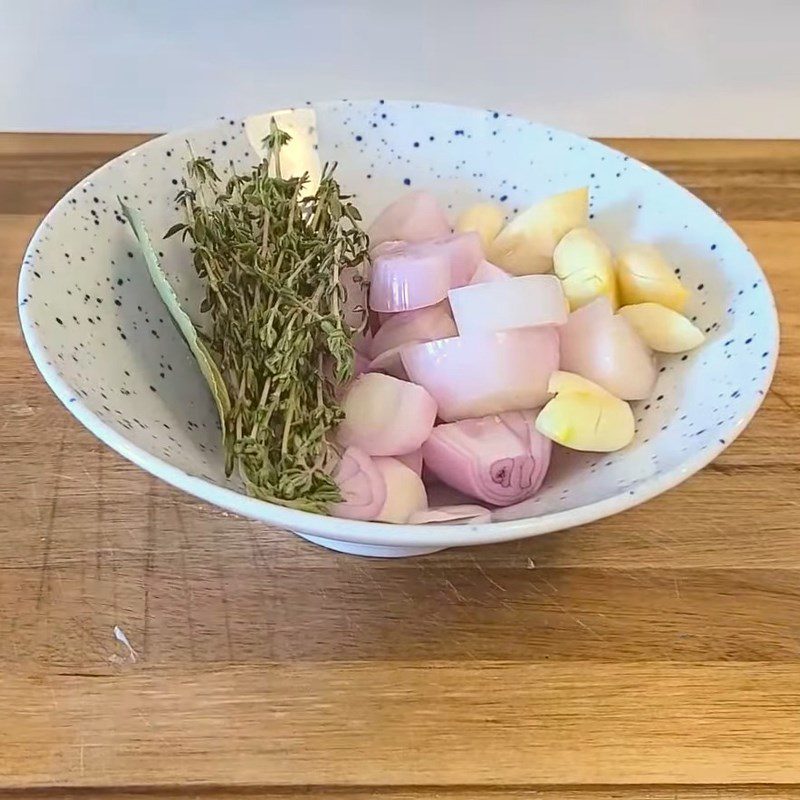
(406, 277)
(487, 273)
(386, 416)
(361, 484)
(485, 373)
(486, 219)
(603, 347)
(421, 325)
(516, 303)
(412, 275)
(460, 515)
(498, 459)
(414, 217)
(405, 491)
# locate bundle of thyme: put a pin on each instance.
(271, 260)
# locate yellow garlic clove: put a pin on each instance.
(525, 246)
(662, 329)
(588, 421)
(583, 262)
(486, 219)
(644, 276)
(562, 381)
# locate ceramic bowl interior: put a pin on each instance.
(106, 345)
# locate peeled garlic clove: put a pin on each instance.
(562, 381)
(663, 329)
(583, 262)
(486, 219)
(588, 421)
(645, 276)
(525, 246)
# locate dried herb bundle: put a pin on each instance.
(271, 260)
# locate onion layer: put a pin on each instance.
(485, 373)
(361, 484)
(421, 325)
(522, 302)
(405, 277)
(413, 275)
(460, 515)
(465, 253)
(487, 273)
(498, 459)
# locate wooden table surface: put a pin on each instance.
(655, 654)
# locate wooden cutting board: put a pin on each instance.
(655, 654)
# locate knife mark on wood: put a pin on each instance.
(44, 569)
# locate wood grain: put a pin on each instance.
(652, 655)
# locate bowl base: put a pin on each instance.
(372, 550)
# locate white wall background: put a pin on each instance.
(601, 67)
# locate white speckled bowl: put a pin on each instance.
(107, 347)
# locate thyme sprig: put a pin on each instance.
(271, 257)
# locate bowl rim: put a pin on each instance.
(379, 533)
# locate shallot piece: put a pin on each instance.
(500, 459)
(604, 347)
(413, 275)
(385, 416)
(405, 491)
(485, 373)
(421, 325)
(389, 363)
(414, 217)
(360, 364)
(412, 460)
(465, 253)
(406, 277)
(488, 273)
(521, 302)
(460, 515)
(361, 484)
